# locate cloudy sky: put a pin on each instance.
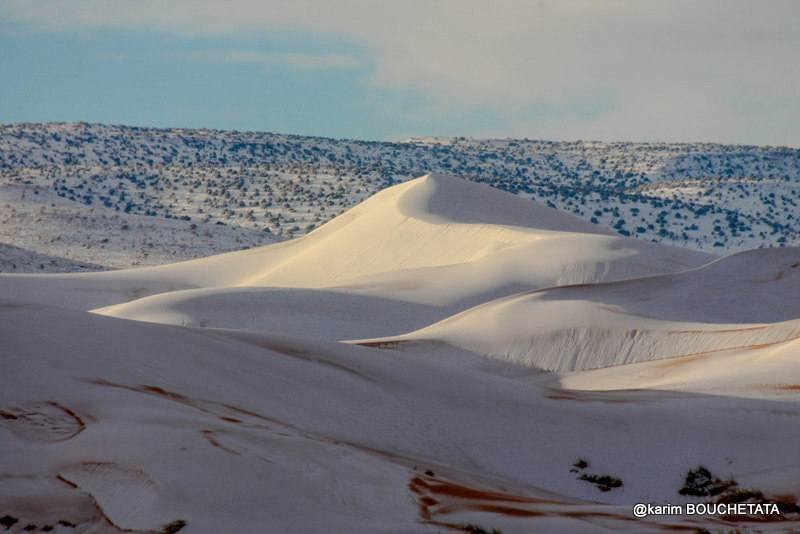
(671, 70)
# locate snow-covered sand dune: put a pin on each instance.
(740, 301)
(418, 241)
(244, 411)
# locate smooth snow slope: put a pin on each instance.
(768, 371)
(119, 424)
(740, 301)
(315, 313)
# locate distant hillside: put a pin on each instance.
(703, 196)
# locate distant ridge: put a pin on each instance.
(705, 196)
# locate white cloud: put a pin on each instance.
(678, 69)
(298, 60)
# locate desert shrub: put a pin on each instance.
(700, 482)
(173, 527)
(603, 482)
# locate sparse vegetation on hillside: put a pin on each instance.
(705, 196)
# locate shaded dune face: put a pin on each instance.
(440, 198)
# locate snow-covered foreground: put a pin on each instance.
(216, 395)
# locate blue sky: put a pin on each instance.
(601, 69)
(153, 78)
